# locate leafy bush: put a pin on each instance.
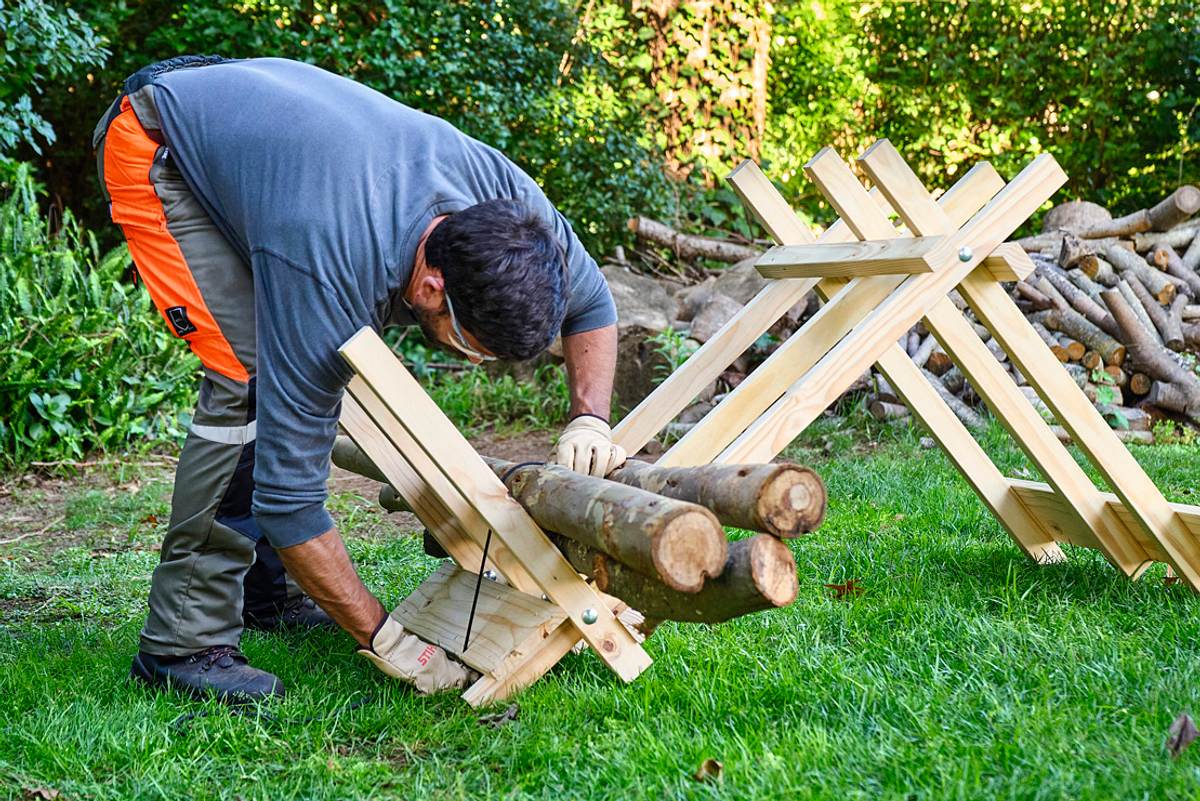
(88, 364)
(1111, 89)
(39, 43)
(509, 73)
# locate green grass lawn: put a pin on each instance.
(960, 671)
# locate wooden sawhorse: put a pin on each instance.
(520, 629)
(877, 281)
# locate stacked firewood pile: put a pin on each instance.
(655, 537)
(1117, 300)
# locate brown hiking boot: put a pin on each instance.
(221, 670)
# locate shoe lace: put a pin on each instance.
(212, 655)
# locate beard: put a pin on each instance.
(424, 320)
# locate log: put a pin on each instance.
(1102, 272)
(1139, 311)
(1191, 312)
(1174, 330)
(1191, 335)
(1135, 419)
(1092, 360)
(1151, 358)
(882, 410)
(1177, 237)
(676, 542)
(1125, 435)
(1079, 300)
(1080, 279)
(1075, 326)
(1174, 398)
(1057, 301)
(1172, 210)
(782, 499)
(1160, 286)
(1171, 336)
(924, 350)
(954, 380)
(1191, 257)
(1166, 259)
(969, 417)
(1140, 383)
(688, 246)
(1029, 292)
(939, 361)
(1075, 252)
(348, 456)
(1075, 349)
(759, 573)
(1052, 342)
(1119, 377)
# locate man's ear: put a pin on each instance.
(429, 291)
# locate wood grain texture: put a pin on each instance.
(887, 321)
(847, 304)
(895, 256)
(508, 623)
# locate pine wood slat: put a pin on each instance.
(1049, 505)
(838, 368)
(849, 259)
(750, 399)
(462, 466)
(916, 207)
(453, 522)
(508, 624)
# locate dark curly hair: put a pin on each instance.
(506, 275)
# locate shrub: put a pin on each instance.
(88, 364)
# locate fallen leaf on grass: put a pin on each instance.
(710, 770)
(149, 520)
(1181, 734)
(41, 793)
(498, 719)
(851, 589)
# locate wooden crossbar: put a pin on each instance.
(897, 276)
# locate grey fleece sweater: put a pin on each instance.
(326, 186)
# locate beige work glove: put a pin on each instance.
(586, 446)
(407, 657)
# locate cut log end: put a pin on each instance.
(773, 570)
(794, 504)
(689, 549)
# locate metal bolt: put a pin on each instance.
(964, 253)
(589, 616)
(490, 575)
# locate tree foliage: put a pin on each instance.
(39, 44)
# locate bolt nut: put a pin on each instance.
(965, 254)
(589, 616)
(490, 575)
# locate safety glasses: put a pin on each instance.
(459, 341)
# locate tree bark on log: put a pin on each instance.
(1177, 237)
(1150, 358)
(1034, 295)
(690, 247)
(679, 543)
(1080, 279)
(883, 410)
(1166, 259)
(1171, 336)
(785, 500)
(1079, 300)
(760, 573)
(1191, 257)
(1160, 286)
(1075, 326)
(1172, 210)
(1139, 311)
(969, 417)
